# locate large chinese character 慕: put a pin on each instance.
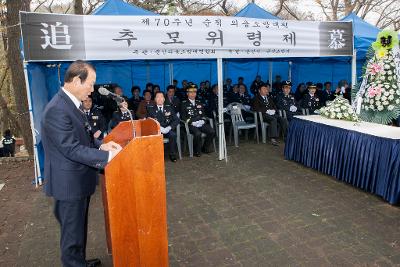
(56, 36)
(337, 40)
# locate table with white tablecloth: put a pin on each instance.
(366, 155)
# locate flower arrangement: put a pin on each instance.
(379, 92)
(339, 109)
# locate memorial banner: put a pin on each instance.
(49, 37)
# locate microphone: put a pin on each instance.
(119, 100)
(105, 92)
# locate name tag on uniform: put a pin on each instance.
(167, 113)
(95, 117)
(198, 106)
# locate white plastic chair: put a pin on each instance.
(264, 126)
(238, 123)
(178, 140)
(190, 137)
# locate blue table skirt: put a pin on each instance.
(365, 161)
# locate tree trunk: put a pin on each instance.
(14, 62)
(78, 7)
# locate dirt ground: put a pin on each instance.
(255, 210)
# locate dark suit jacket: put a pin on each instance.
(71, 157)
(259, 104)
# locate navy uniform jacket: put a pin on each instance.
(119, 116)
(192, 113)
(285, 102)
(175, 103)
(166, 118)
(71, 156)
(96, 121)
(311, 102)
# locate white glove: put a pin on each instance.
(162, 129)
(201, 122)
(293, 108)
(197, 124)
(246, 107)
(271, 112)
(167, 129)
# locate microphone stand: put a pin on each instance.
(130, 117)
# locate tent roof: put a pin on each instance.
(254, 11)
(362, 28)
(119, 7)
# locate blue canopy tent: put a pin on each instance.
(254, 11)
(48, 76)
(119, 7)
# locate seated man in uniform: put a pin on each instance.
(171, 99)
(263, 103)
(95, 118)
(192, 111)
(166, 116)
(286, 101)
(121, 115)
(311, 101)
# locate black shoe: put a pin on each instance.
(172, 158)
(274, 142)
(206, 150)
(93, 263)
(197, 155)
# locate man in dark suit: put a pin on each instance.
(166, 116)
(263, 103)
(171, 99)
(72, 157)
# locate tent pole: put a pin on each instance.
(171, 73)
(221, 130)
(270, 72)
(354, 68)
(38, 177)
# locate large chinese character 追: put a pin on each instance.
(174, 36)
(337, 40)
(56, 36)
(126, 35)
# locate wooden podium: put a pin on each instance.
(134, 196)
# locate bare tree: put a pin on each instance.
(289, 9)
(15, 64)
(78, 7)
(228, 8)
(387, 11)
